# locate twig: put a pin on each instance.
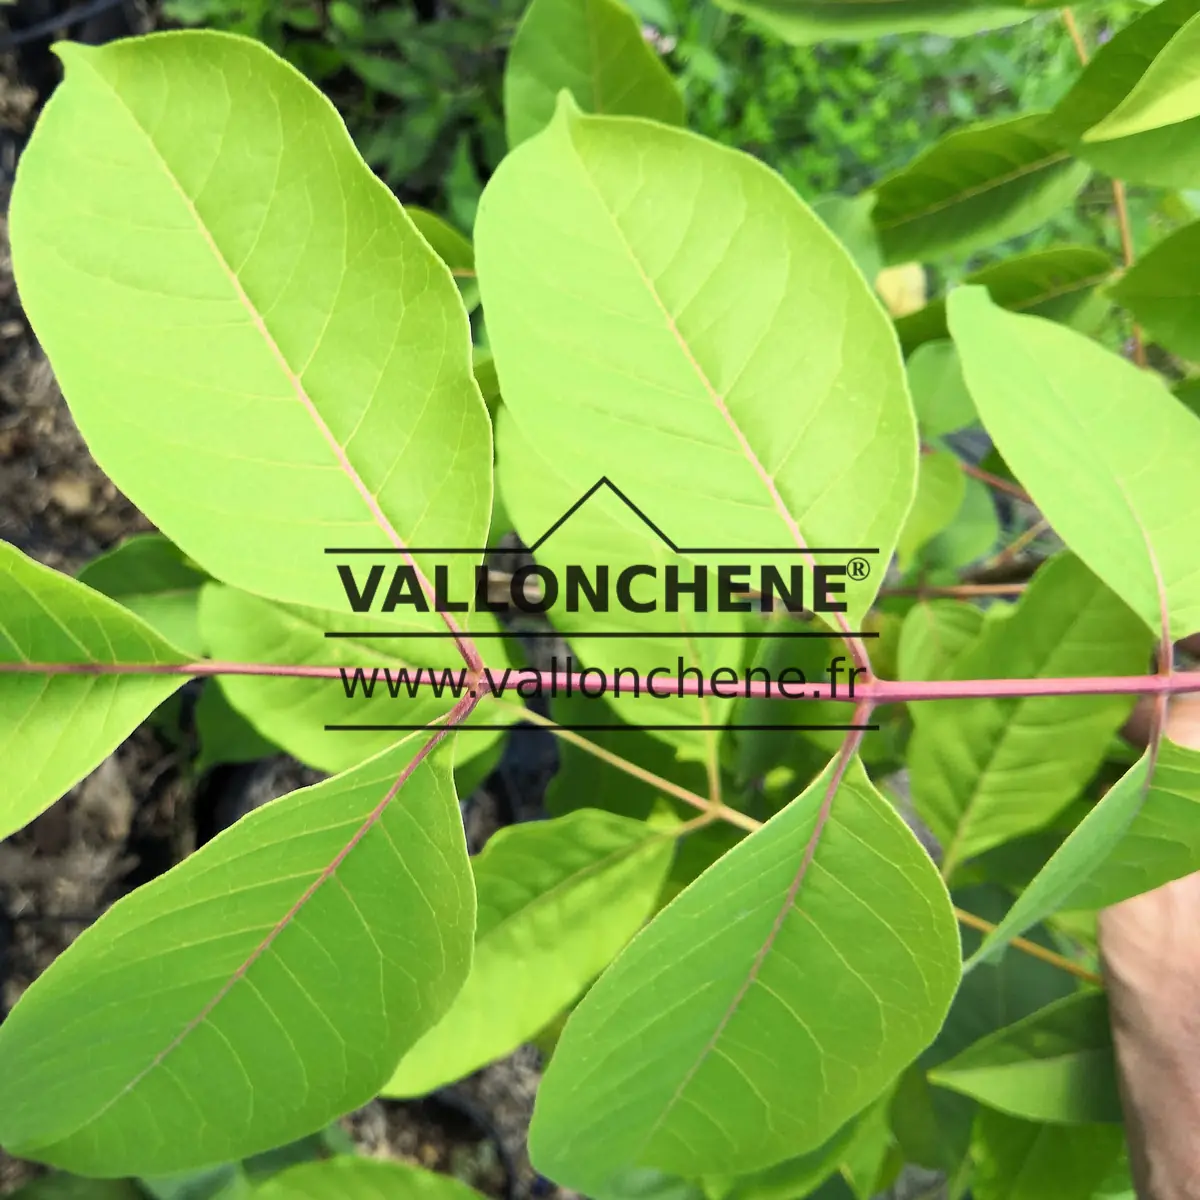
(960, 590)
(1120, 203)
(1031, 948)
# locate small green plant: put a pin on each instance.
(736, 475)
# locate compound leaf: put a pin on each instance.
(768, 1003)
(258, 346)
(255, 992)
(557, 901)
(593, 49)
(939, 392)
(941, 487)
(1103, 448)
(54, 729)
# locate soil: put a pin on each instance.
(142, 810)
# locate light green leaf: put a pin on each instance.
(452, 247)
(557, 901)
(986, 771)
(351, 1178)
(259, 347)
(804, 22)
(692, 344)
(1055, 1065)
(593, 49)
(296, 713)
(1103, 448)
(935, 633)
(1168, 93)
(263, 987)
(941, 486)
(1161, 843)
(1162, 290)
(939, 392)
(1059, 284)
(1165, 157)
(149, 576)
(57, 728)
(976, 187)
(1022, 1160)
(769, 1002)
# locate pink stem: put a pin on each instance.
(877, 691)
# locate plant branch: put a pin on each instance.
(1120, 202)
(958, 591)
(1031, 948)
(877, 691)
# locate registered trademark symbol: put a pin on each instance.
(858, 568)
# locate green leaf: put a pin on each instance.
(1022, 1160)
(226, 736)
(941, 486)
(352, 1178)
(986, 771)
(976, 187)
(584, 781)
(296, 713)
(1161, 843)
(1103, 448)
(57, 728)
(1059, 284)
(1055, 1065)
(1162, 290)
(594, 50)
(793, 397)
(1075, 861)
(452, 248)
(791, 1178)
(1168, 93)
(263, 987)
(1166, 157)
(932, 1124)
(149, 576)
(269, 360)
(972, 534)
(769, 1002)
(72, 1187)
(804, 22)
(848, 218)
(935, 633)
(939, 392)
(557, 900)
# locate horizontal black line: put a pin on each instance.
(603, 728)
(551, 633)
(679, 550)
